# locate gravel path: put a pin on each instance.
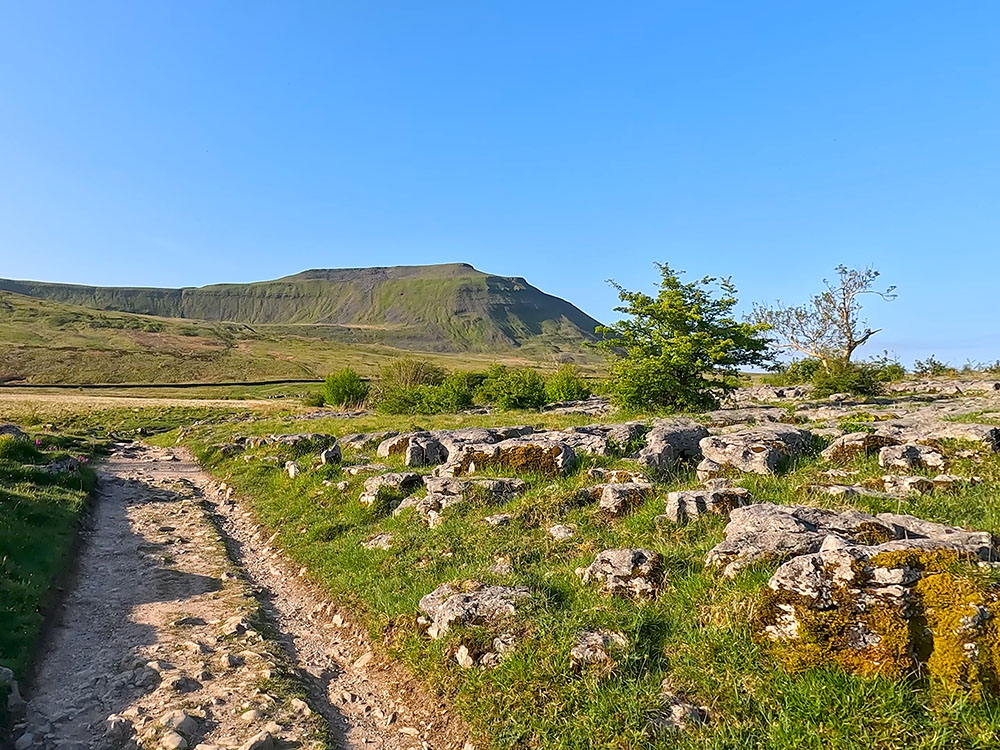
(182, 628)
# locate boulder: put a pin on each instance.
(331, 455)
(684, 505)
(471, 603)
(14, 431)
(365, 441)
(910, 456)
(632, 572)
(902, 486)
(678, 714)
(616, 476)
(596, 647)
(774, 533)
(618, 499)
(525, 455)
(495, 490)
(757, 450)
(562, 532)
(670, 441)
(396, 484)
(921, 429)
(850, 446)
(747, 416)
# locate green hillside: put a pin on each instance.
(304, 326)
(450, 307)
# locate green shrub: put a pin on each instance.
(506, 388)
(932, 367)
(313, 399)
(345, 388)
(566, 385)
(407, 372)
(455, 393)
(856, 378)
(793, 373)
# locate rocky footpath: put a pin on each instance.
(183, 628)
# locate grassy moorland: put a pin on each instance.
(698, 634)
(55, 342)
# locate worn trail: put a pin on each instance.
(182, 628)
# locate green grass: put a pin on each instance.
(39, 515)
(698, 632)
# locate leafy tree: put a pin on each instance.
(406, 372)
(828, 327)
(345, 388)
(566, 385)
(681, 349)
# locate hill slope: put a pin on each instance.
(450, 307)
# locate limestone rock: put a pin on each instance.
(624, 571)
(920, 429)
(671, 441)
(758, 450)
(890, 608)
(902, 486)
(523, 455)
(678, 713)
(854, 444)
(617, 499)
(910, 456)
(471, 603)
(397, 484)
(596, 647)
(770, 532)
(13, 430)
(562, 532)
(615, 476)
(684, 505)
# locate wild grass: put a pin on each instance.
(698, 634)
(39, 515)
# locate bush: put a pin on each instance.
(313, 399)
(505, 388)
(407, 372)
(796, 372)
(856, 378)
(454, 393)
(932, 367)
(566, 385)
(345, 388)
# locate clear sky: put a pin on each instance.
(185, 143)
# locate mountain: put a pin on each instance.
(450, 307)
(303, 326)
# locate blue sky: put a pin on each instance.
(183, 143)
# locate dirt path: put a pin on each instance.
(182, 628)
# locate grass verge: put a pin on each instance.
(698, 633)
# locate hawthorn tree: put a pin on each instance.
(829, 327)
(682, 349)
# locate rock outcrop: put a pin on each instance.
(756, 450)
(773, 533)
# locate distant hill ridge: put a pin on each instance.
(443, 307)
